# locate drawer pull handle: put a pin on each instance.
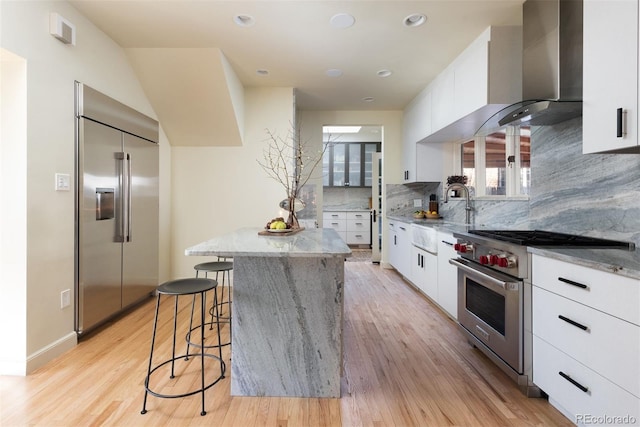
(572, 322)
(571, 282)
(447, 243)
(619, 125)
(574, 382)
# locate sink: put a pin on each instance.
(425, 238)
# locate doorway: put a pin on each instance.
(13, 212)
(351, 180)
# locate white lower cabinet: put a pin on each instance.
(336, 221)
(354, 227)
(400, 247)
(447, 274)
(581, 394)
(424, 272)
(586, 348)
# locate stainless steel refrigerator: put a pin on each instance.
(116, 207)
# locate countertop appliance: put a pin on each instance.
(551, 66)
(494, 292)
(116, 240)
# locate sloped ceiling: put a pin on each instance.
(295, 45)
(195, 93)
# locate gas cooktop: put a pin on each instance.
(551, 238)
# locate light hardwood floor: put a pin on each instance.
(405, 364)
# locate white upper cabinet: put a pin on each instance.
(482, 80)
(416, 124)
(610, 76)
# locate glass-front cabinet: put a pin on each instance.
(348, 164)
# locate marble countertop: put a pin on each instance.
(618, 261)
(311, 242)
(346, 209)
(439, 224)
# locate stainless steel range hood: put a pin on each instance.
(551, 66)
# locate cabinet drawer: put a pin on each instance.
(360, 216)
(329, 216)
(358, 237)
(608, 345)
(358, 225)
(336, 224)
(602, 398)
(608, 292)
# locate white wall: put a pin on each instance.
(13, 208)
(219, 189)
(51, 68)
(311, 123)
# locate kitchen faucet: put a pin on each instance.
(457, 185)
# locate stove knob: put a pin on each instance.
(506, 261)
(465, 247)
(456, 247)
(493, 259)
(483, 259)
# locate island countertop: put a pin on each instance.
(311, 242)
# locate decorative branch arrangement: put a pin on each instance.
(287, 161)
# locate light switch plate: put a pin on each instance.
(417, 203)
(63, 182)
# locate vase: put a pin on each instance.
(292, 205)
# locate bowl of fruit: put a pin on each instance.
(277, 225)
(419, 214)
(432, 215)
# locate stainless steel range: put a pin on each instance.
(494, 292)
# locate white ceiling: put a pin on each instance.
(294, 41)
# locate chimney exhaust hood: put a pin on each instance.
(551, 66)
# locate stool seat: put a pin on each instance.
(188, 286)
(214, 266)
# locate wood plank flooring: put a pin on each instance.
(405, 364)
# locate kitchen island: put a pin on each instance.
(287, 310)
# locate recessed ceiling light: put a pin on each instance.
(333, 72)
(244, 20)
(384, 73)
(414, 20)
(368, 99)
(342, 20)
(262, 72)
(341, 129)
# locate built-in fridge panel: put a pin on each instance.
(140, 265)
(116, 208)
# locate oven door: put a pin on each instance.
(490, 308)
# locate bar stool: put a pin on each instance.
(221, 266)
(177, 288)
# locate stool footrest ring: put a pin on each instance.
(190, 393)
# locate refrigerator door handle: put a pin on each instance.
(123, 232)
(128, 200)
(120, 208)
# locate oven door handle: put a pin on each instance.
(499, 283)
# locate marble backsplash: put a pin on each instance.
(591, 194)
(346, 198)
